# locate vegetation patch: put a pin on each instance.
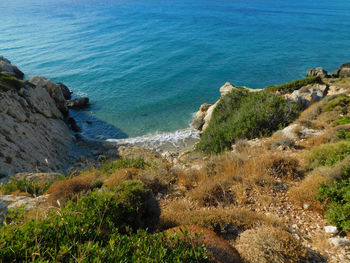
(270, 245)
(343, 120)
(328, 154)
(33, 188)
(105, 226)
(242, 114)
(294, 85)
(337, 195)
(109, 167)
(339, 103)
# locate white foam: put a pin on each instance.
(162, 140)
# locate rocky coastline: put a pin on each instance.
(259, 189)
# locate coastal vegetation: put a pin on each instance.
(294, 85)
(242, 114)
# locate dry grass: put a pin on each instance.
(270, 245)
(65, 190)
(306, 191)
(220, 249)
(184, 212)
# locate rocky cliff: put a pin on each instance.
(33, 134)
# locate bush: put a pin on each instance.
(284, 168)
(328, 154)
(110, 167)
(294, 85)
(338, 197)
(270, 245)
(100, 226)
(65, 190)
(242, 114)
(343, 120)
(343, 135)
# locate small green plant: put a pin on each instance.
(242, 114)
(342, 120)
(109, 167)
(34, 188)
(343, 135)
(338, 102)
(337, 195)
(328, 154)
(294, 85)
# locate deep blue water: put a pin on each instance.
(148, 65)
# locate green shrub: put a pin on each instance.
(34, 188)
(294, 85)
(241, 114)
(8, 82)
(343, 120)
(338, 102)
(102, 227)
(338, 197)
(109, 167)
(328, 154)
(343, 135)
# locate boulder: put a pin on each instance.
(344, 71)
(339, 241)
(79, 103)
(331, 229)
(308, 95)
(8, 68)
(54, 90)
(198, 119)
(319, 72)
(67, 93)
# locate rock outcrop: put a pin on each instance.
(308, 95)
(343, 71)
(319, 72)
(33, 134)
(7, 68)
(54, 90)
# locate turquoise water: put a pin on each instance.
(148, 65)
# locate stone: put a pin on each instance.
(331, 229)
(67, 93)
(306, 206)
(198, 119)
(72, 124)
(344, 71)
(319, 72)
(79, 103)
(308, 95)
(226, 88)
(54, 90)
(335, 90)
(8, 68)
(339, 241)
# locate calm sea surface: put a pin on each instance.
(148, 65)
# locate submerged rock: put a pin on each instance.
(79, 103)
(8, 68)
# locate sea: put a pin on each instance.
(148, 65)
